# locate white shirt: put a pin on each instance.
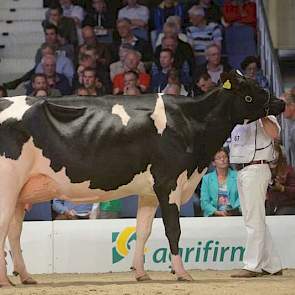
(138, 12)
(74, 11)
(250, 142)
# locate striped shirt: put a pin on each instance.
(201, 37)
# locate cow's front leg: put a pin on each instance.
(170, 201)
(14, 233)
(147, 207)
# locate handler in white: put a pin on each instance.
(251, 149)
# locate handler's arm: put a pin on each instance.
(271, 127)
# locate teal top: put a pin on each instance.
(113, 206)
(209, 192)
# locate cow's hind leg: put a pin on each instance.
(14, 234)
(147, 207)
(9, 191)
(170, 204)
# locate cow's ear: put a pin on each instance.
(224, 77)
(229, 80)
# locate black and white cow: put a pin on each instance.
(89, 149)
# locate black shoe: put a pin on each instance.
(278, 273)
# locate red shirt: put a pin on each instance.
(144, 80)
(245, 14)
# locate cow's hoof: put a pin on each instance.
(143, 278)
(29, 281)
(184, 277)
(7, 284)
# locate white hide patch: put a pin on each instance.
(159, 115)
(120, 111)
(185, 187)
(16, 110)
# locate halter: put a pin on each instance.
(266, 105)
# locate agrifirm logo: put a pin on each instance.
(206, 251)
(122, 242)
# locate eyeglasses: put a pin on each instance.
(221, 158)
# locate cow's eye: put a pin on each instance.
(248, 98)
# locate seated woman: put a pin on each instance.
(219, 192)
(252, 70)
(281, 192)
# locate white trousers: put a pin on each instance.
(260, 252)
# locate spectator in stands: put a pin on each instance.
(51, 38)
(75, 12)
(214, 66)
(63, 64)
(64, 24)
(281, 191)
(102, 51)
(201, 34)
(131, 81)
(174, 86)
(182, 53)
(172, 27)
(3, 92)
(203, 84)
(39, 82)
(99, 17)
(41, 93)
(106, 210)
(138, 15)
(124, 28)
(251, 68)
(118, 66)
(239, 11)
(54, 79)
(91, 83)
(96, 55)
(82, 91)
(289, 98)
(65, 48)
(212, 10)
(160, 74)
(165, 9)
(66, 210)
(131, 63)
(219, 192)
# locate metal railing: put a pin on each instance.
(269, 60)
(270, 67)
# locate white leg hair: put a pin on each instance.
(147, 207)
(14, 233)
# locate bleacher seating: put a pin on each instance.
(21, 14)
(239, 42)
(21, 4)
(21, 34)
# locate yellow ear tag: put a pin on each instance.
(227, 84)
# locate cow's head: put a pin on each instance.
(249, 100)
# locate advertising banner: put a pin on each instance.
(206, 243)
(90, 246)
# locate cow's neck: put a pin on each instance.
(212, 122)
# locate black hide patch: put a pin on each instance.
(4, 104)
(12, 138)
